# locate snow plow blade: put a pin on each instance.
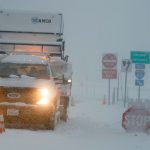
(28, 117)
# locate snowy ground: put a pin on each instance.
(91, 126)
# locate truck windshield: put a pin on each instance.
(32, 70)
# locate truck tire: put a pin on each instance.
(65, 104)
(50, 125)
(64, 116)
(53, 122)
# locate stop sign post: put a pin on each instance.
(109, 66)
(109, 69)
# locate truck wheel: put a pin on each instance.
(64, 111)
(53, 121)
(50, 125)
(64, 115)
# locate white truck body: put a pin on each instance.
(31, 32)
(31, 22)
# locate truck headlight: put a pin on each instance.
(69, 81)
(45, 97)
(43, 101)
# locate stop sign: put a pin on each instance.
(109, 61)
(136, 119)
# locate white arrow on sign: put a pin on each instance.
(126, 65)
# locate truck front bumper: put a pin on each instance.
(32, 116)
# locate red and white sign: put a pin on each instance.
(109, 61)
(136, 119)
(109, 66)
(109, 74)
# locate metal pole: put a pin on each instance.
(126, 75)
(114, 96)
(139, 92)
(118, 89)
(109, 92)
(125, 89)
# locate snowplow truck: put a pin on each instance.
(28, 93)
(37, 35)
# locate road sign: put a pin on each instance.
(139, 66)
(109, 61)
(126, 65)
(139, 82)
(109, 66)
(139, 73)
(109, 74)
(136, 118)
(140, 57)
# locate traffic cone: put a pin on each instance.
(2, 126)
(104, 102)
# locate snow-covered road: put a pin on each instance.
(91, 126)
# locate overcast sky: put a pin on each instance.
(94, 27)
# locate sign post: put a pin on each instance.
(109, 91)
(126, 67)
(139, 73)
(139, 93)
(109, 69)
(140, 58)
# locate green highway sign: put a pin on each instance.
(140, 57)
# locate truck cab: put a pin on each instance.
(29, 96)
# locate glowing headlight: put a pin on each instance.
(69, 81)
(44, 92)
(43, 101)
(45, 97)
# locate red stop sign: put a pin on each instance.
(136, 119)
(109, 60)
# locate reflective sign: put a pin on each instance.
(139, 74)
(139, 82)
(139, 66)
(126, 65)
(140, 57)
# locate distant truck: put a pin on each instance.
(38, 35)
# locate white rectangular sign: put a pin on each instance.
(20, 21)
(126, 65)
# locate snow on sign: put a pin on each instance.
(109, 66)
(136, 119)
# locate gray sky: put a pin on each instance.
(94, 27)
